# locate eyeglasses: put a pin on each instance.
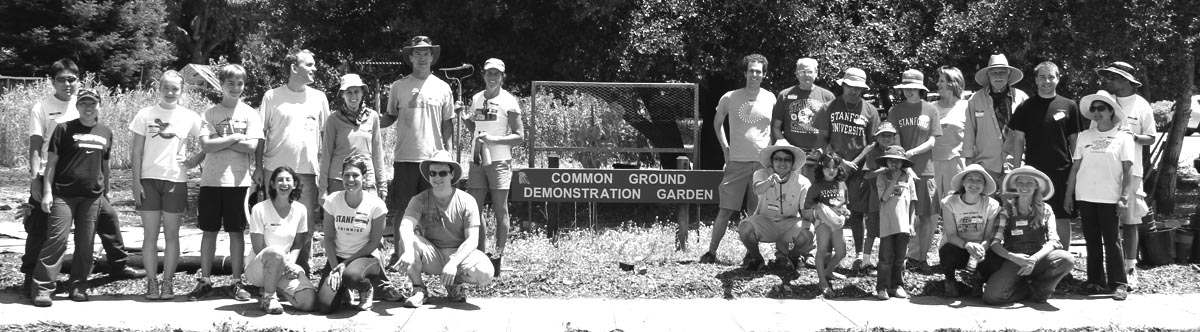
(66, 79)
(439, 173)
(783, 160)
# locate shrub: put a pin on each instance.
(1163, 110)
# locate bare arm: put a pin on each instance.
(924, 147)
(135, 162)
(48, 181)
(324, 159)
(448, 134)
(719, 127)
(330, 240)
(35, 154)
(1018, 147)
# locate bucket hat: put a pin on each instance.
(1085, 106)
(893, 152)
(798, 155)
(351, 80)
(998, 61)
(912, 79)
(1120, 68)
(1044, 184)
(421, 42)
(989, 186)
(442, 156)
(854, 77)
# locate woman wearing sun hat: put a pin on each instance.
(919, 126)
(781, 190)
(353, 128)
(968, 217)
(1027, 239)
(1098, 189)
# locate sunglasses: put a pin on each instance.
(439, 173)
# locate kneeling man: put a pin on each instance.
(780, 189)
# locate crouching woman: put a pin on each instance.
(1027, 238)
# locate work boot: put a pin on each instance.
(753, 262)
(708, 258)
(166, 290)
(152, 287)
(79, 292)
(43, 299)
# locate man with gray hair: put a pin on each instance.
(797, 108)
(986, 137)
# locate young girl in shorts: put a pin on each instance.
(159, 158)
(826, 202)
(896, 186)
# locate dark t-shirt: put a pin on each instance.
(916, 122)
(797, 110)
(826, 192)
(81, 151)
(1047, 124)
(850, 127)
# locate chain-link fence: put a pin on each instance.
(613, 125)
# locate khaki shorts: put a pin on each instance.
(736, 184)
(927, 204)
(761, 229)
(496, 176)
(287, 287)
(163, 195)
(476, 269)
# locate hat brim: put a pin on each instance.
(800, 158)
(1044, 184)
(882, 161)
(857, 84)
(912, 86)
(1085, 105)
(1122, 73)
(454, 166)
(989, 186)
(406, 52)
(351, 85)
(1014, 75)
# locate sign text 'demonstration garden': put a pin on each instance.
(615, 185)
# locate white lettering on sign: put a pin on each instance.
(583, 193)
(657, 178)
(685, 194)
(581, 178)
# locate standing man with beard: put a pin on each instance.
(796, 111)
(986, 136)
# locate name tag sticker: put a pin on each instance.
(1022, 223)
(1060, 115)
(773, 207)
(1018, 232)
(979, 113)
(792, 97)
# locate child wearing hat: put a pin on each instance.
(1026, 237)
(885, 136)
(896, 187)
(968, 217)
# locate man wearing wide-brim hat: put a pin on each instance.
(850, 124)
(986, 136)
(780, 189)
(1119, 81)
(438, 233)
(422, 107)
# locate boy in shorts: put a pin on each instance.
(229, 133)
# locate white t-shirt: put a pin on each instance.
(353, 225)
(166, 132)
(970, 220)
(953, 120)
(1099, 156)
(749, 122)
(419, 120)
(47, 114)
(293, 122)
(1139, 118)
(276, 230)
(228, 168)
(491, 116)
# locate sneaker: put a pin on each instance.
(1131, 277)
(43, 299)
(166, 290)
(951, 287)
(456, 294)
(127, 272)
(828, 293)
(270, 304)
(899, 293)
(79, 293)
(152, 288)
(1121, 293)
(708, 258)
(753, 262)
(365, 298)
(857, 265)
(417, 298)
(239, 291)
(389, 293)
(1093, 289)
(809, 261)
(881, 295)
(203, 287)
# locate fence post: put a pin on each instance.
(552, 213)
(682, 215)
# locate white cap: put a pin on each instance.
(494, 63)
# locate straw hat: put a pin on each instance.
(998, 61)
(893, 152)
(351, 80)
(1120, 68)
(854, 77)
(989, 186)
(912, 79)
(421, 42)
(798, 155)
(442, 156)
(1044, 184)
(1085, 106)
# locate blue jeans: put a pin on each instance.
(65, 211)
(891, 261)
(108, 227)
(1005, 286)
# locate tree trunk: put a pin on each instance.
(1164, 188)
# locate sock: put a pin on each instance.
(1130, 264)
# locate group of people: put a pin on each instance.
(1004, 172)
(311, 159)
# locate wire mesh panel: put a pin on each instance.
(607, 125)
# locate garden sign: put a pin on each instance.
(615, 185)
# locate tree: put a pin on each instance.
(199, 28)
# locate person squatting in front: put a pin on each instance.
(1027, 237)
(276, 226)
(780, 189)
(968, 220)
(439, 234)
